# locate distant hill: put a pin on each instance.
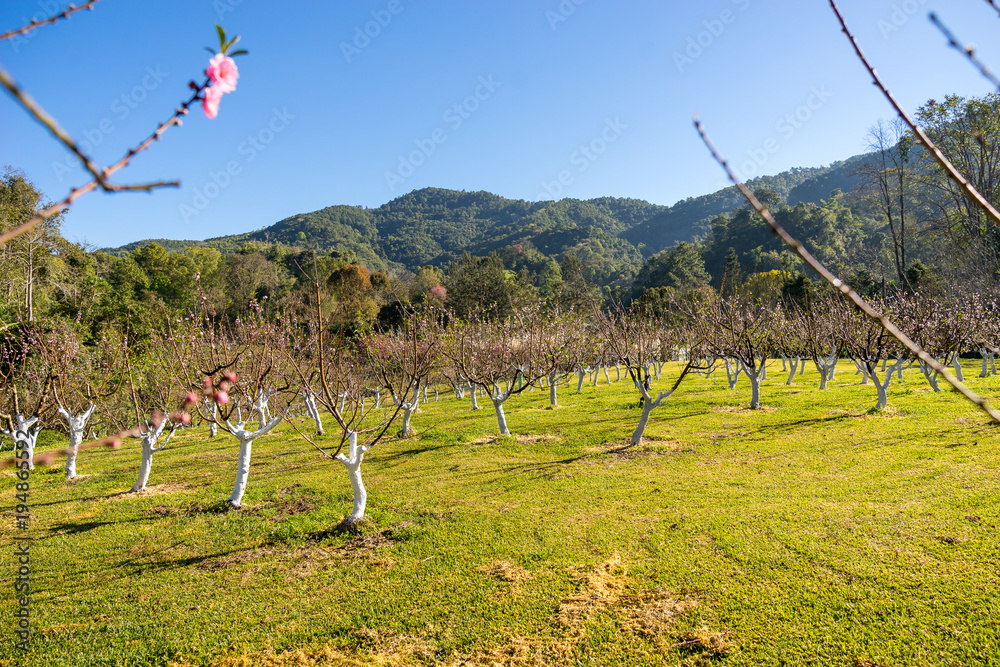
(434, 226)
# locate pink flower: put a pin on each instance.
(210, 101)
(223, 73)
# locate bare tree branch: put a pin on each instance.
(994, 5)
(969, 51)
(949, 168)
(107, 171)
(813, 263)
(72, 9)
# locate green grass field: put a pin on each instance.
(808, 532)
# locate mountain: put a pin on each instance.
(434, 226)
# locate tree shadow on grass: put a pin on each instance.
(788, 426)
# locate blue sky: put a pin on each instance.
(360, 102)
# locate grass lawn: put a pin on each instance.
(808, 532)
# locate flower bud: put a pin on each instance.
(221, 397)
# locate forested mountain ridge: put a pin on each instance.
(434, 226)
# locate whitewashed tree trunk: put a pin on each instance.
(733, 369)
(212, 409)
(423, 393)
(554, 378)
(498, 401)
(794, 364)
(956, 363)
(246, 439)
(25, 436)
(582, 374)
(352, 461)
(149, 440)
(77, 427)
(863, 370)
(475, 401)
(310, 399)
(930, 375)
(607, 376)
(260, 406)
(618, 372)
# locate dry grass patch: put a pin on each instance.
(519, 439)
(504, 570)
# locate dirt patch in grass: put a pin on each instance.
(151, 490)
(623, 449)
(652, 612)
(519, 439)
(504, 570)
(235, 558)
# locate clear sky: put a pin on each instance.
(499, 95)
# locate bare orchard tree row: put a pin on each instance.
(246, 377)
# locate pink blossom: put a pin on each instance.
(223, 73)
(210, 101)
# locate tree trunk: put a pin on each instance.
(582, 373)
(352, 461)
(501, 417)
(408, 410)
(647, 408)
(475, 402)
(77, 427)
(144, 467)
(24, 437)
(794, 364)
(242, 473)
(956, 362)
(553, 392)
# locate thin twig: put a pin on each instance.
(72, 9)
(915, 349)
(35, 110)
(969, 51)
(949, 168)
(47, 213)
(994, 5)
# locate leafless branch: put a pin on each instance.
(969, 51)
(42, 116)
(72, 9)
(46, 213)
(994, 5)
(949, 168)
(813, 263)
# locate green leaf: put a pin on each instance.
(210, 50)
(222, 38)
(241, 52)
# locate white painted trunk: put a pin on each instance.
(794, 364)
(144, 467)
(930, 375)
(408, 410)
(618, 371)
(607, 376)
(246, 440)
(77, 426)
(475, 401)
(755, 392)
(647, 408)
(242, 473)
(501, 417)
(956, 363)
(313, 411)
(582, 375)
(352, 461)
(553, 390)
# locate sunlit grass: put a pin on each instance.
(810, 532)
